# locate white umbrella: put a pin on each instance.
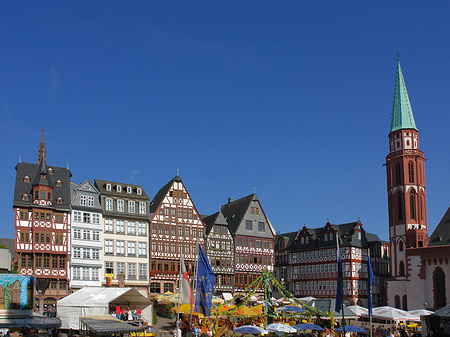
(250, 329)
(390, 313)
(307, 299)
(280, 327)
(359, 310)
(415, 314)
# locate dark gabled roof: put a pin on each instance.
(214, 219)
(101, 186)
(289, 239)
(344, 231)
(159, 197)
(41, 178)
(234, 211)
(33, 171)
(372, 237)
(441, 235)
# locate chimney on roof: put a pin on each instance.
(230, 199)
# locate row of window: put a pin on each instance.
(120, 227)
(44, 261)
(183, 213)
(26, 197)
(155, 287)
(249, 226)
(39, 237)
(254, 243)
(120, 206)
(62, 285)
(131, 248)
(172, 230)
(166, 247)
(119, 189)
(86, 234)
(131, 270)
(44, 216)
(87, 200)
(93, 218)
(85, 273)
(86, 253)
(318, 253)
(220, 244)
(314, 269)
(220, 229)
(253, 259)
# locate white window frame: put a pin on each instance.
(109, 225)
(119, 188)
(108, 187)
(139, 191)
(77, 234)
(120, 226)
(76, 273)
(142, 208)
(109, 204)
(131, 228)
(90, 201)
(120, 247)
(143, 249)
(142, 229)
(76, 252)
(131, 207)
(95, 218)
(77, 216)
(95, 274)
(109, 246)
(82, 200)
(131, 248)
(120, 205)
(129, 190)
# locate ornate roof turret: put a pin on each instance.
(402, 115)
(41, 153)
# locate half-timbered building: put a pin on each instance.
(86, 236)
(283, 270)
(42, 226)
(314, 262)
(125, 216)
(220, 252)
(254, 239)
(175, 228)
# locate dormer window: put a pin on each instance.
(108, 187)
(129, 190)
(25, 197)
(59, 200)
(59, 183)
(43, 175)
(50, 170)
(26, 179)
(119, 188)
(139, 191)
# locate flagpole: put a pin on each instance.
(339, 256)
(195, 283)
(370, 290)
(179, 295)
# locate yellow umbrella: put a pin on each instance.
(166, 294)
(186, 309)
(258, 309)
(244, 311)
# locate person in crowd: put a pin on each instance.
(118, 311)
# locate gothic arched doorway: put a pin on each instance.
(439, 291)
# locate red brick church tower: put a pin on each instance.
(405, 183)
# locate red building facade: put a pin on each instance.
(42, 227)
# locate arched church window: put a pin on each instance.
(411, 171)
(401, 271)
(397, 301)
(398, 174)
(400, 246)
(439, 291)
(412, 205)
(400, 207)
(405, 302)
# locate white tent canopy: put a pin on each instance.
(91, 301)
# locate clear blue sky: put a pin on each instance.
(293, 98)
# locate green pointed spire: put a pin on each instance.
(402, 115)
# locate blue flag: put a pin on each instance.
(205, 285)
(339, 294)
(371, 281)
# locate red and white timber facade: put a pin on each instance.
(42, 227)
(175, 228)
(314, 262)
